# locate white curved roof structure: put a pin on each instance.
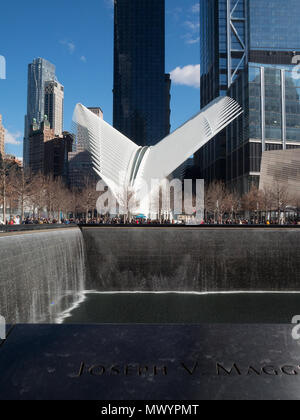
(121, 163)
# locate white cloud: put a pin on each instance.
(83, 59)
(192, 36)
(187, 76)
(110, 3)
(194, 27)
(192, 41)
(175, 13)
(196, 8)
(13, 138)
(69, 44)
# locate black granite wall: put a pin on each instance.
(192, 259)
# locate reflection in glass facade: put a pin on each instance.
(141, 88)
(222, 60)
(271, 120)
(39, 72)
(213, 81)
(292, 107)
(274, 25)
(263, 85)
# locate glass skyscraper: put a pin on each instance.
(40, 71)
(222, 59)
(141, 88)
(252, 44)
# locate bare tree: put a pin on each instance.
(38, 194)
(295, 201)
(126, 199)
(73, 201)
(11, 195)
(88, 196)
(56, 192)
(234, 204)
(65, 200)
(267, 200)
(3, 187)
(216, 200)
(21, 183)
(281, 198)
(252, 202)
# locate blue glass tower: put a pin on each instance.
(141, 88)
(247, 51)
(39, 72)
(223, 55)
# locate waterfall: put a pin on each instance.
(192, 259)
(42, 275)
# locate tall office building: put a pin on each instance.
(80, 164)
(39, 134)
(141, 88)
(39, 72)
(56, 155)
(247, 52)
(48, 153)
(222, 58)
(54, 105)
(2, 139)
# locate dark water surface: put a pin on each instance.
(186, 308)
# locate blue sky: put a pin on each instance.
(78, 38)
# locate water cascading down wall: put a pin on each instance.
(42, 274)
(192, 259)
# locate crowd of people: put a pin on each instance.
(105, 220)
(17, 220)
(289, 221)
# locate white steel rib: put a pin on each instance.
(121, 163)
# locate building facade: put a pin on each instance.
(2, 139)
(97, 111)
(141, 88)
(281, 169)
(80, 169)
(271, 120)
(80, 164)
(252, 45)
(39, 72)
(48, 152)
(56, 156)
(222, 59)
(39, 134)
(13, 161)
(54, 105)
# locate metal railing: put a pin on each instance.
(181, 226)
(28, 228)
